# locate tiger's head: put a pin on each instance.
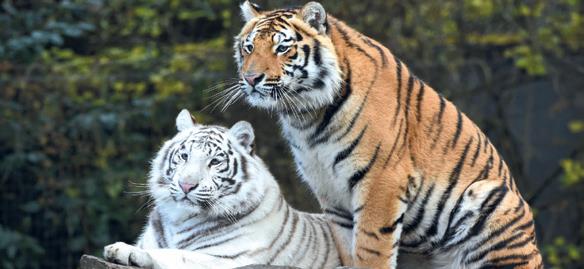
(286, 59)
(208, 169)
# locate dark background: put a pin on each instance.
(90, 89)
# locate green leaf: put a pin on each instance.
(576, 126)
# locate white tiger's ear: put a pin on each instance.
(314, 14)
(185, 120)
(249, 10)
(243, 132)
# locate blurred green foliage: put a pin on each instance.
(90, 88)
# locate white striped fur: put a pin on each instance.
(235, 215)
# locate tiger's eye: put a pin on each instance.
(184, 156)
(248, 48)
(282, 49)
(214, 162)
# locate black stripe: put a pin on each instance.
(498, 262)
(441, 109)
(332, 109)
(410, 227)
(312, 240)
(504, 266)
(500, 166)
(287, 242)
(484, 173)
(344, 225)
(392, 227)
(360, 174)
(452, 181)
(409, 93)
(347, 39)
(278, 234)
(305, 223)
(378, 48)
(528, 240)
(158, 229)
(371, 251)
(318, 84)
(339, 213)
(229, 181)
(415, 198)
(419, 98)
(347, 151)
(316, 56)
(306, 50)
(458, 128)
(397, 138)
(244, 168)
(486, 209)
(478, 149)
(354, 118)
(370, 234)
(282, 21)
(399, 85)
(495, 247)
(217, 243)
(438, 120)
(522, 227)
(326, 240)
(298, 36)
(166, 155)
(233, 256)
(501, 229)
(218, 224)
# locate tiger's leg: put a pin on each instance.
(378, 224)
(343, 238)
(509, 240)
(124, 254)
(499, 230)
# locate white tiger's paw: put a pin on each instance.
(122, 253)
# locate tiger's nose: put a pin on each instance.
(252, 78)
(187, 187)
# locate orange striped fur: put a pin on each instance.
(395, 165)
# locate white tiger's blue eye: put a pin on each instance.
(184, 156)
(214, 162)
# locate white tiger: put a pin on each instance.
(218, 206)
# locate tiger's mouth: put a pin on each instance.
(279, 97)
(260, 97)
(200, 202)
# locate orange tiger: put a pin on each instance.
(395, 166)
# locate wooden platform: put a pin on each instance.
(92, 262)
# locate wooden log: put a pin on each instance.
(92, 262)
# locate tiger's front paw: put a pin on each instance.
(122, 253)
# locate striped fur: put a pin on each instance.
(234, 216)
(396, 166)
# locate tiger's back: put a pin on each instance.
(394, 164)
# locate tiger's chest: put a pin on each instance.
(315, 165)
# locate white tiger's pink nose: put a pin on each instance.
(187, 187)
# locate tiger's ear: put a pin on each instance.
(314, 14)
(249, 11)
(243, 132)
(185, 120)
